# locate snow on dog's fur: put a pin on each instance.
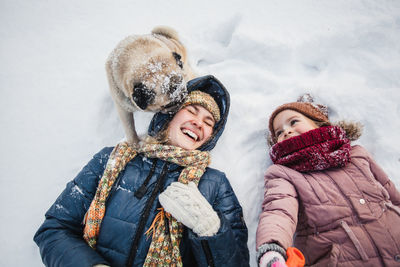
(149, 73)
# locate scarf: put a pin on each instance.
(315, 150)
(166, 231)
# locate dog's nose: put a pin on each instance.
(142, 96)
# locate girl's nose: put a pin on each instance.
(288, 131)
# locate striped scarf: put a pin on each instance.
(166, 231)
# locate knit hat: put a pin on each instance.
(205, 100)
(304, 105)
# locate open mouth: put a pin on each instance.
(190, 134)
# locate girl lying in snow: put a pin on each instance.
(102, 216)
(333, 198)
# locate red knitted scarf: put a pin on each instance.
(318, 149)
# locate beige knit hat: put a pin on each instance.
(204, 100)
(304, 105)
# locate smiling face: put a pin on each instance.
(191, 127)
(289, 123)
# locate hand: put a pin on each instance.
(188, 206)
(278, 264)
(101, 265)
(272, 259)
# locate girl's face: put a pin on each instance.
(289, 123)
(190, 127)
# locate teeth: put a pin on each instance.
(190, 133)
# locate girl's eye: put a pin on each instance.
(278, 133)
(292, 122)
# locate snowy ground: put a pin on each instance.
(56, 111)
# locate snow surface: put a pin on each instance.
(56, 111)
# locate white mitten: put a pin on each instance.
(272, 259)
(188, 206)
(101, 265)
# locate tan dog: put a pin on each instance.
(149, 73)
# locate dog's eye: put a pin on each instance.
(178, 59)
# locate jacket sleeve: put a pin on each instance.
(60, 236)
(229, 246)
(278, 218)
(384, 180)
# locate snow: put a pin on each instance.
(76, 191)
(56, 111)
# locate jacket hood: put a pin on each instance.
(353, 129)
(212, 86)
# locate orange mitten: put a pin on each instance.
(294, 257)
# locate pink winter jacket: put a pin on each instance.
(346, 216)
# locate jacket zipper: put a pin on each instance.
(145, 215)
(207, 252)
(143, 188)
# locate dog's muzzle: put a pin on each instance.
(177, 93)
(142, 96)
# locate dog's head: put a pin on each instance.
(152, 71)
(159, 82)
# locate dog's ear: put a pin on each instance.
(166, 31)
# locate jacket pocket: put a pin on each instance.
(317, 188)
(355, 241)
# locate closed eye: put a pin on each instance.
(178, 59)
(191, 109)
(209, 122)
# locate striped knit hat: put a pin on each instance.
(304, 105)
(204, 100)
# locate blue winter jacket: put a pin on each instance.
(132, 206)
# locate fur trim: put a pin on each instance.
(353, 129)
(166, 31)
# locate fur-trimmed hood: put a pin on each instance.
(353, 129)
